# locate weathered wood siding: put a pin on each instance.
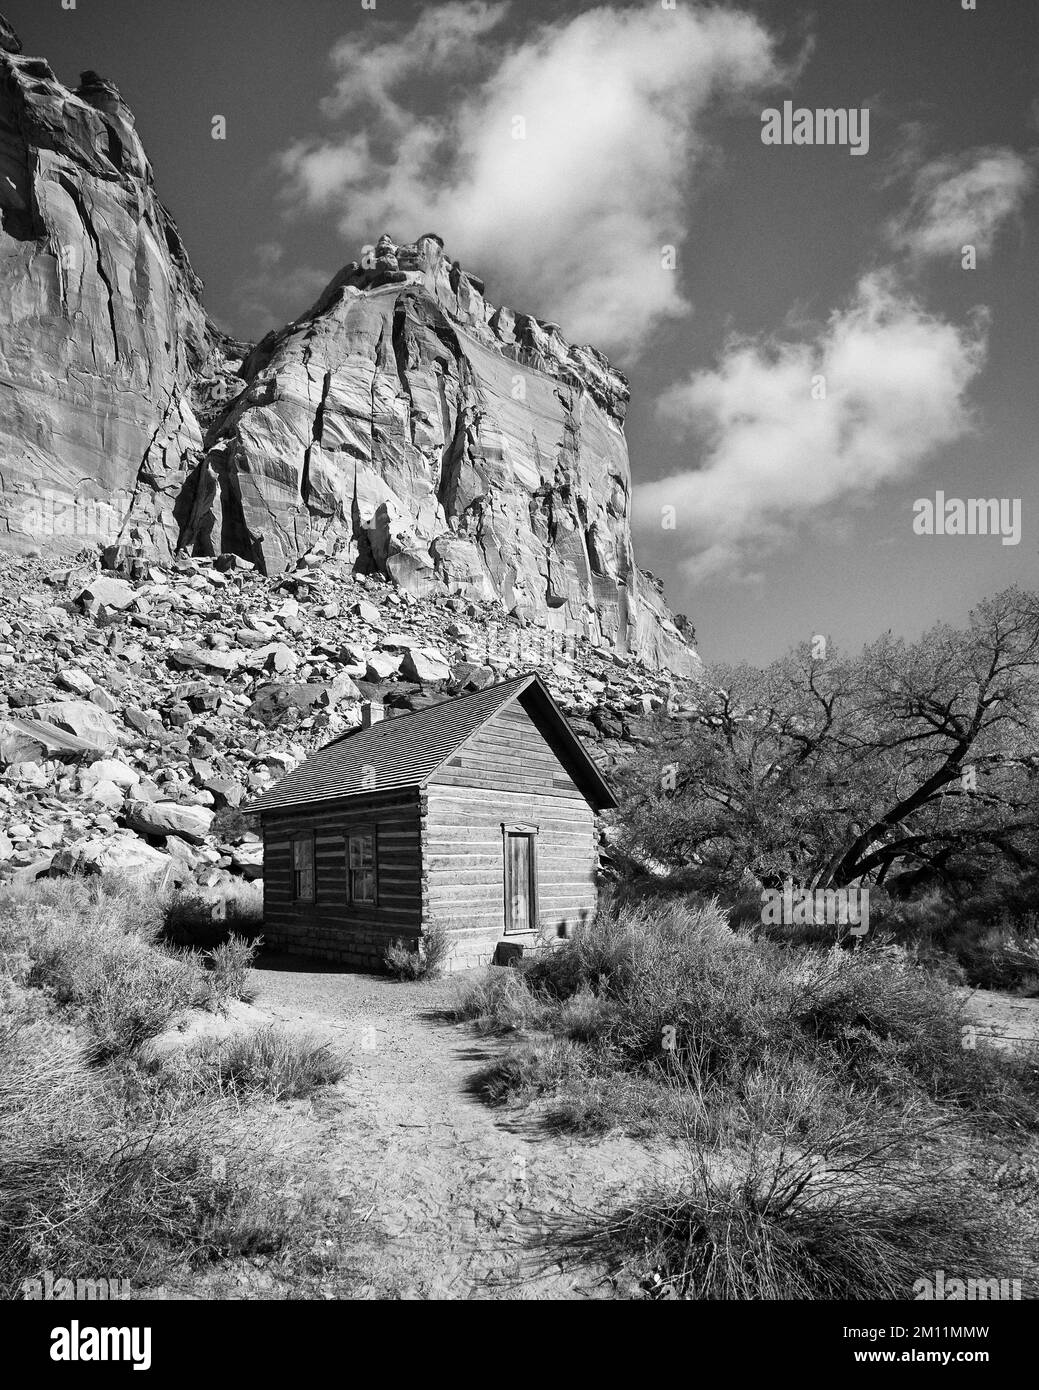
(331, 926)
(505, 773)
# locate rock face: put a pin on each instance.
(403, 426)
(102, 329)
(408, 425)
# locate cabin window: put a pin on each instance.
(303, 868)
(361, 867)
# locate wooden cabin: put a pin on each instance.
(477, 813)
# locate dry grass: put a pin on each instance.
(805, 1222)
(983, 941)
(649, 992)
(111, 1169)
(421, 960)
(207, 919)
(229, 964)
(270, 1062)
(818, 1097)
(94, 948)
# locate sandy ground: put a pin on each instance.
(452, 1198)
(1003, 1020)
(460, 1198)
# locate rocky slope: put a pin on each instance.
(137, 713)
(403, 425)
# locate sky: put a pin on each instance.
(812, 353)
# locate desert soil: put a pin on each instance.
(452, 1198)
(458, 1199)
(1003, 1020)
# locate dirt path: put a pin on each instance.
(457, 1199)
(1005, 1021)
(460, 1191)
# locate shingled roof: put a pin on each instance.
(405, 751)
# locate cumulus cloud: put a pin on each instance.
(961, 200)
(775, 455)
(570, 219)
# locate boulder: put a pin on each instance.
(109, 770)
(28, 774)
(425, 666)
(367, 612)
(145, 724)
(468, 675)
(226, 791)
(75, 680)
(274, 701)
(170, 818)
(192, 657)
(120, 853)
(382, 666)
(85, 720)
(100, 697)
(108, 592)
(247, 860)
(109, 794)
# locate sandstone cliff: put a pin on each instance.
(403, 425)
(409, 425)
(101, 322)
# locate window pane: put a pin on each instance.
(362, 885)
(362, 851)
(361, 867)
(303, 867)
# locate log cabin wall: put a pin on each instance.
(506, 772)
(331, 926)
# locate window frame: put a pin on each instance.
(304, 837)
(370, 831)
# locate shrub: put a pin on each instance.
(672, 993)
(422, 961)
(231, 824)
(270, 1062)
(202, 919)
(989, 939)
(497, 1001)
(132, 995)
(126, 988)
(230, 963)
(99, 1177)
(774, 1222)
(106, 1168)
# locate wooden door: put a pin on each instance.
(520, 909)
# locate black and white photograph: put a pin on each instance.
(519, 675)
